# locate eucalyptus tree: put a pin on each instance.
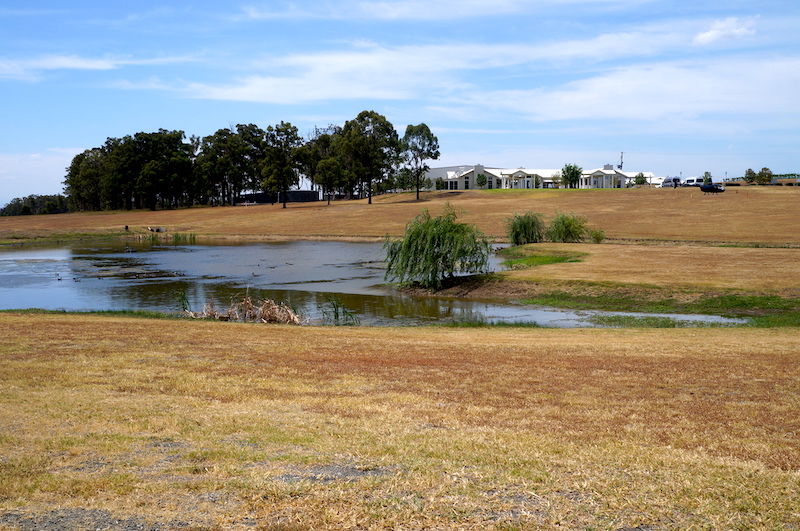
(221, 160)
(279, 169)
(165, 166)
(84, 180)
(253, 151)
(321, 161)
(571, 175)
(123, 169)
(764, 176)
(370, 147)
(418, 145)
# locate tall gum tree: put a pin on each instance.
(370, 146)
(419, 145)
(280, 167)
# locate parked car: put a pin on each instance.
(693, 181)
(671, 182)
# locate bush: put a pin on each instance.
(433, 249)
(567, 228)
(597, 235)
(526, 228)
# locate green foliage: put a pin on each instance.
(433, 249)
(597, 235)
(764, 176)
(571, 175)
(481, 180)
(526, 228)
(35, 204)
(640, 179)
(567, 228)
(336, 313)
(281, 161)
(370, 148)
(418, 145)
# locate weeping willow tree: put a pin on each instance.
(526, 228)
(434, 249)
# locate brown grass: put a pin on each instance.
(698, 267)
(750, 214)
(226, 425)
(207, 425)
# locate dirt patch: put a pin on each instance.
(72, 519)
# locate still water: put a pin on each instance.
(306, 275)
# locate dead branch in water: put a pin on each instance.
(245, 310)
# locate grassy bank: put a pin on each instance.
(205, 425)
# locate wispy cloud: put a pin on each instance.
(31, 69)
(729, 29)
(373, 71)
(659, 93)
(413, 9)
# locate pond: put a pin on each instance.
(315, 278)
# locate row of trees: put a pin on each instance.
(164, 170)
(765, 176)
(35, 204)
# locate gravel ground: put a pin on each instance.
(77, 519)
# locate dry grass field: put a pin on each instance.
(124, 423)
(128, 423)
(753, 214)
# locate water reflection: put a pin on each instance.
(306, 275)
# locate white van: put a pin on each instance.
(693, 181)
(671, 182)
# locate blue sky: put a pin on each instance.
(681, 87)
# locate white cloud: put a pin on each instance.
(368, 70)
(414, 9)
(729, 29)
(30, 69)
(660, 94)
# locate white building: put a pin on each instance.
(465, 177)
(610, 177)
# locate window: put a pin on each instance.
(466, 183)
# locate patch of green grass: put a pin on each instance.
(481, 323)
(525, 256)
(145, 314)
(608, 302)
(760, 310)
(647, 321)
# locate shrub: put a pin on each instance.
(567, 228)
(597, 235)
(526, 228)
(433, 249)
